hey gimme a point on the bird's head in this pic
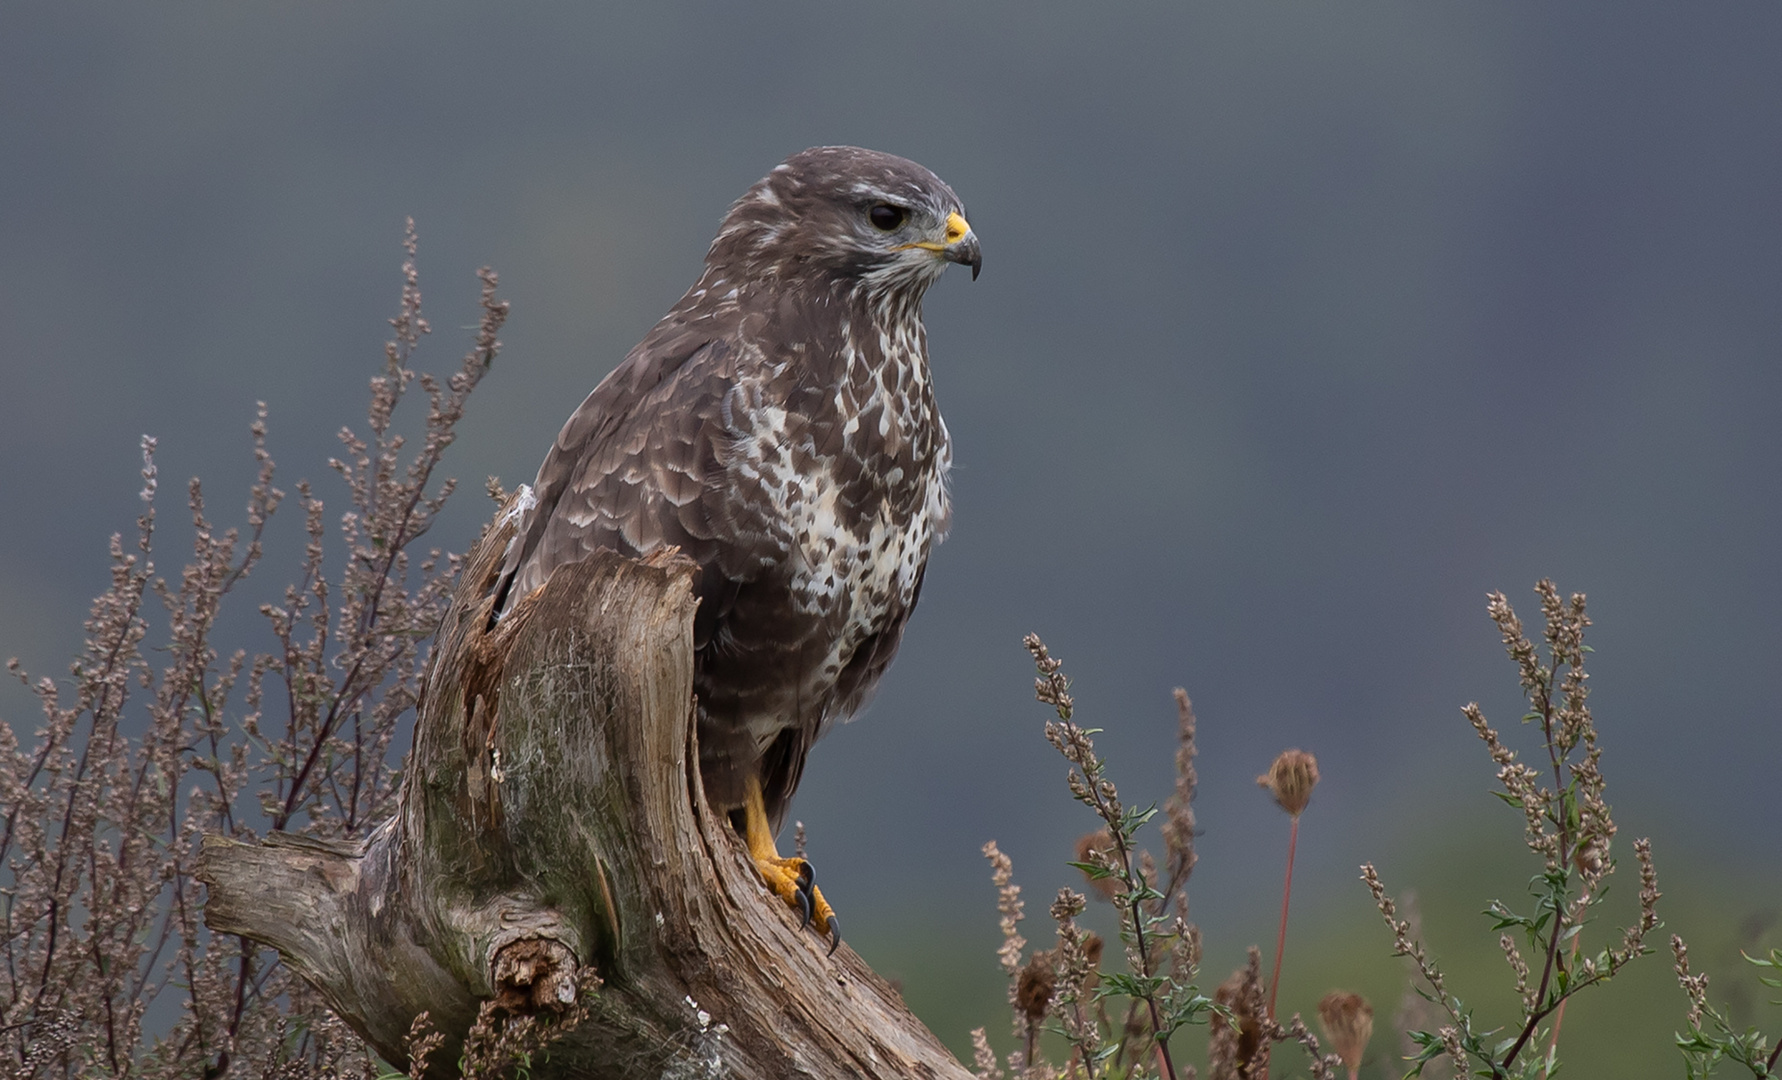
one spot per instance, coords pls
(850, 217)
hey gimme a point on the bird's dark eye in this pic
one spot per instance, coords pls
(887, 217)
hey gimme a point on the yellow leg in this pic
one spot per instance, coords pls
(790, 879)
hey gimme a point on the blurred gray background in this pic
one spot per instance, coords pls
(1301, 326)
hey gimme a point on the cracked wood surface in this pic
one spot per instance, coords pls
(551, 816)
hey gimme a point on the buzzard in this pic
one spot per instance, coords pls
(779, 427)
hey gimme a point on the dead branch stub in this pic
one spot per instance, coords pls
(551, 834)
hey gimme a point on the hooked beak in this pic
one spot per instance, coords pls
(961, 245)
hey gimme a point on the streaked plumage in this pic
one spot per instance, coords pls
(779, 427)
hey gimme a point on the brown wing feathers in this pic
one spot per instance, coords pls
(777, 427)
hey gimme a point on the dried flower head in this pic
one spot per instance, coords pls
(421, 1042)
(1237, 1048)
(983, 1058)
(1291, 780)
(1348, 1022)
(1078, 952)
(1591, 857)
(1009, 905)
(1178, 811)
(1696, 986)
(1035, 984)
(1051, 686)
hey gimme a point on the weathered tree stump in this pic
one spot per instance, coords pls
(551, 817)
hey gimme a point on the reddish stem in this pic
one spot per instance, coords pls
(1558, 1017)
(1274, 984)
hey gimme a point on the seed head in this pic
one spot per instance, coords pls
(1591, 857)
(1348, 1022)
(1291, 780)
(1237, 1047)
(1034, 986)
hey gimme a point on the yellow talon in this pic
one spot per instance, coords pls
(789, 879)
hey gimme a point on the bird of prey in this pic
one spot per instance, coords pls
(779, 427)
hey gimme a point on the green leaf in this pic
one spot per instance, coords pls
(1138, 818)
(1126, 984)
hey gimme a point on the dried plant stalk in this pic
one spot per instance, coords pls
(161, 734)
(1567, 823)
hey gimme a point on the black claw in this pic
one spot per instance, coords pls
(805, 907)
(834, 934)
(807, 875)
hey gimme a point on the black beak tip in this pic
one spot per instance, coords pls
(966, 252)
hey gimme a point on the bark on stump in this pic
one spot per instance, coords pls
(551, 817)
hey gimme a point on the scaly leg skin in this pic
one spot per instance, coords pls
(792, 880)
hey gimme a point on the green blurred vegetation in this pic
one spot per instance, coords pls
(1623, 1030)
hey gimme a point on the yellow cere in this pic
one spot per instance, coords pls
(957, 227)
